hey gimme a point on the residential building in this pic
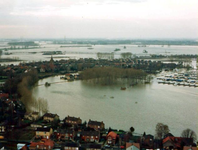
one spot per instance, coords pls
(171, 142)
(44, 132)
(46, 144)
(90, 136)
(111, 138)
(96, 125)
(49, 117)
(73, 120)
(63, 134)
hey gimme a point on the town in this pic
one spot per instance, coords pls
(22, 128)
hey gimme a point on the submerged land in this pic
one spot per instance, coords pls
(27, 120)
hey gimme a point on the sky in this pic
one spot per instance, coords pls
(130, 19)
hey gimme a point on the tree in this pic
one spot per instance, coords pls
(161, 130)
(0, 53)
(126, 55)
(132, 129)
(40, 105)
(188, 133)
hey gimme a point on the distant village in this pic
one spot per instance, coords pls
(21, 129)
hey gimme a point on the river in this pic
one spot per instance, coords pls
(141, 106)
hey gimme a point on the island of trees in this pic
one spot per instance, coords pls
(112, 75)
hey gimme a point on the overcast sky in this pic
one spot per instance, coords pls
(142, 19)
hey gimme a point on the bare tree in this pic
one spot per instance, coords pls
(44, 106)
(161, 130)
(188, 133)
(126, 55)
(0, 53)
(41, 105)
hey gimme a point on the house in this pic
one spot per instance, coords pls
(132, 146)
(90, 136)
(49, 117)
(63, 134)
(111, 138)
(171, 142)
(96, 125)
(46, 144)
(147, 141)
(69, 76)
(31, 116)
(44, 132)
(35, 115)
(73, 120)
(70, 146)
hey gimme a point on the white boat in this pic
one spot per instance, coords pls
(186, 84)
(161, 81)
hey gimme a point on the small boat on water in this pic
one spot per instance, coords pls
(123, 88)
(47, 84)
(117, 49)
(145, 51)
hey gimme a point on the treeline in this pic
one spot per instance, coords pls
(13, 80)
(112, 75)
(21, 85)
(123, 41)
(30, 43)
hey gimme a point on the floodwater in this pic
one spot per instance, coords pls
(27, 55)
(141, 106)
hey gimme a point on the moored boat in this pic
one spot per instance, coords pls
(47, 84)
(123, 88)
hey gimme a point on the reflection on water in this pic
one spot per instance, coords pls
(141, 106)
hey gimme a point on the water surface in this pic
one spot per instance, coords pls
(141, 106)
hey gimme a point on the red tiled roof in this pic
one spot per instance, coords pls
(176, 141)
(128, 144)
(112, 134)
(45, 142)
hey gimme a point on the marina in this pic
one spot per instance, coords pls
(188, 78)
